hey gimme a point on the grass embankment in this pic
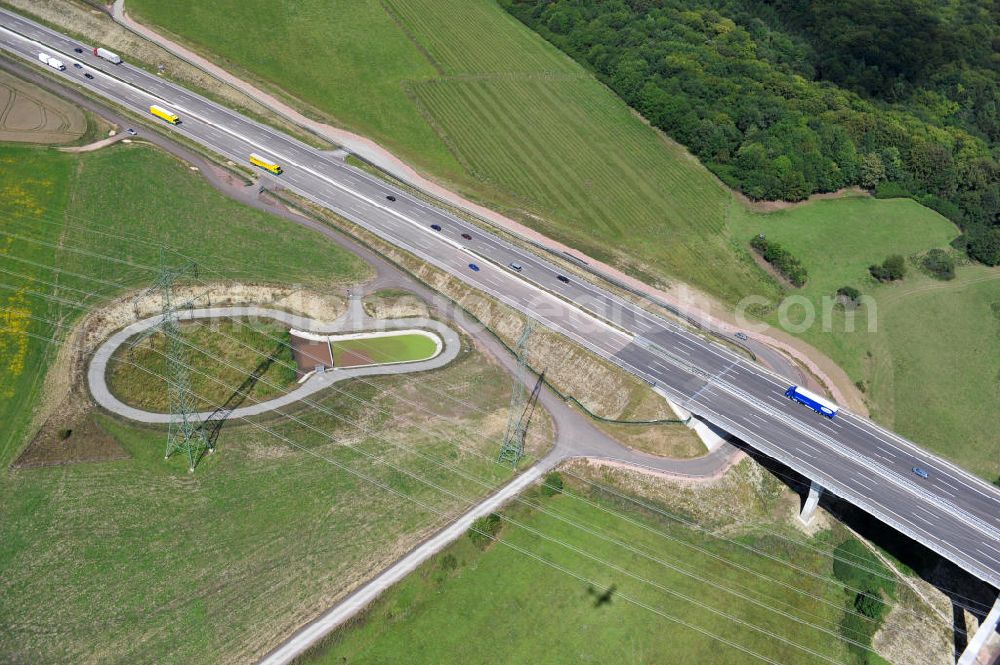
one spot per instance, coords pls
(224, 353)
(928, 368)
(471, 96)
(481, 602)
(135, 560)
(382, 350)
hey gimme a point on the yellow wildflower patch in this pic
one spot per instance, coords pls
(14, 320)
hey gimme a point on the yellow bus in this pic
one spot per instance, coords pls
(163, 113)
(264, 163)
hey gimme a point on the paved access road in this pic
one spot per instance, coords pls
(98, 368)
(952, 512)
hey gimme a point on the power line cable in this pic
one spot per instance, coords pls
(646, 526)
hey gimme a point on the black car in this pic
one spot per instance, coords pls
(563, 278)
(467, 236)
(88, 75)
(390, 197)
(436, 227)
(78, 49)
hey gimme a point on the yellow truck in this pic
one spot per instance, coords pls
(164, 114)
(264, 163)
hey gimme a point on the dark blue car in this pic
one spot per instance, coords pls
(473, 267)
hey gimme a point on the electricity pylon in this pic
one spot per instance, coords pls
(185, 433)
(521, 402)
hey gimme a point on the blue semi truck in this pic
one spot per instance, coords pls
(813, 401)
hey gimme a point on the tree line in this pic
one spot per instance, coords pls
(785, 98)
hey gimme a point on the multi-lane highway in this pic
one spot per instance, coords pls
(952, 512)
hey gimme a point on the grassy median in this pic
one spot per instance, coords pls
(382, 350)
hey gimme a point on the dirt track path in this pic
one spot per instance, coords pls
(96, 145)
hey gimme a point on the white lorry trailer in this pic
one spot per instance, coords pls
(51, 62)
(113, 58)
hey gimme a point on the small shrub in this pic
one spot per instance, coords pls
(892, 269)
(553, 484)
(781, 259)
(860, 385)
(448, 562)
(940, 264)
(65, 433)
(484, 530)
(849, 295)
(870, 604)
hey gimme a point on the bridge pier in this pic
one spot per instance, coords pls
(809, 508)
(987, 627)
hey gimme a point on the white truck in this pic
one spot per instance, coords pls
(51, 62)
(113, 58)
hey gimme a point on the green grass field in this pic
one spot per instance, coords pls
(135, 560)
(371, 54)
(471, 96)
(467, 605)
(225, 353)
(61, 210)
(138, 561)
(378, 350)
(922, 367)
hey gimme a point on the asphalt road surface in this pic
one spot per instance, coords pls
(951, 512)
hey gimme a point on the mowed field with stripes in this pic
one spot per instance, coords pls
(515, 123)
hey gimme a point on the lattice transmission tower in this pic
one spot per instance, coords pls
(185, 433)
(521, 402)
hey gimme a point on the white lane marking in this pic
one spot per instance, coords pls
(860, 480)
(988, 556)
(944, 491)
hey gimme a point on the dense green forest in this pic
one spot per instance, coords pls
(784, 98)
